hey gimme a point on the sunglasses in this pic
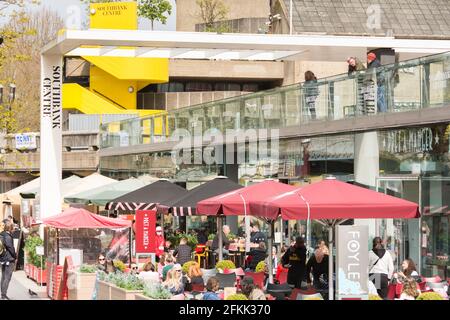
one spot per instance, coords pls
(101, 259)
(135, 268)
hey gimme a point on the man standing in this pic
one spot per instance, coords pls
(183, 252)
(257, 236)
(159, 242)
(295, 260)
(372, 63)
(7, 257)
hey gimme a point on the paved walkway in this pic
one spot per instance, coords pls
(19, 286)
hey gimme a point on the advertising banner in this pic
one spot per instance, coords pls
(145, 228)
(25, 141)
(352, 262)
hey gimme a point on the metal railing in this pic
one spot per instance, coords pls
(405, 86)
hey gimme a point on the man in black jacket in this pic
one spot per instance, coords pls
(8, 257)
(295, 260)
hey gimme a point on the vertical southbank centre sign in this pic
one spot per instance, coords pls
(51, 96)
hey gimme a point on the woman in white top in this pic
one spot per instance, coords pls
(381, 267)
(149, 274)
(408, 271)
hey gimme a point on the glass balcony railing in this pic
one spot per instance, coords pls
(405, 86)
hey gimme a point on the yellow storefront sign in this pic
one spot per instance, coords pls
(114, 15)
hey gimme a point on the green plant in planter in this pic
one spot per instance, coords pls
(231, 236)
(157, 291)
(31, 243)
(211, 236)
(191, 240)
(374, 297)
(119, 265)
(129, 282)
(261, 267)
(88, 268)
(225, 264)
(187, 265)
(113, 278)
(237, 296)
(430, 296)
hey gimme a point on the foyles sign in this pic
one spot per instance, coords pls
(352, 262)
(51, 96)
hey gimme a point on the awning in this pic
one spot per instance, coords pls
(148, 197)
(331, 199)
(102, 195)
(186, 205)
(67, 185)
(74, 218)
(237, 202)
(92, 181)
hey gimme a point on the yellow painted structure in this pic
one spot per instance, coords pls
(115, 81)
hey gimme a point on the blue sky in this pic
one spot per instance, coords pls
(66, 8)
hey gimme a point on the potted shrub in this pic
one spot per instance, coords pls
(430, 296)
(119, 265)
(237, 296)
(187, 265)
(81, 282)
(155, 291)
(225, 264)
(261, 267)
(126, 287)
(32, 258)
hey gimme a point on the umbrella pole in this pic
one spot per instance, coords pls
(330, 263)
(270, 245)
(220, 233)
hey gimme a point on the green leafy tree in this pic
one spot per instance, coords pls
(155, 10)
(212, 14)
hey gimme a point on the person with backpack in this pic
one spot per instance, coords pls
(7, 257)
(381, 267)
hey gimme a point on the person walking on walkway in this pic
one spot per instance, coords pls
(311, 92)
(381, 267)
(7, 257)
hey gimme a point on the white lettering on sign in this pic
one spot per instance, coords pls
(408, 141)
(146, 237)
(353, 247)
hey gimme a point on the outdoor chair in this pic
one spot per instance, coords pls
(208, 273)
(226, 280)
(295, 292)
(198, 287)
(315, 296)
(279, 291)
(258, 278)
(435, 279)
(201, 253)
(283, 276)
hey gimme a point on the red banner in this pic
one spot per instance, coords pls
(145, 231)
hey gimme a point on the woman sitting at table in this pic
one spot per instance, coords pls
(194, 276)
(174, 281)
(410, 290)
(257, 255)
(408, 271)
(250, 290)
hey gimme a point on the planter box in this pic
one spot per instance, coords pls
(27, 268)
(41, 276)
(81, 285)
(142, 297)
(104, 290)
(33, 272)
(122, 294)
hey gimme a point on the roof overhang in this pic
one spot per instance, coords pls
(213, 46)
